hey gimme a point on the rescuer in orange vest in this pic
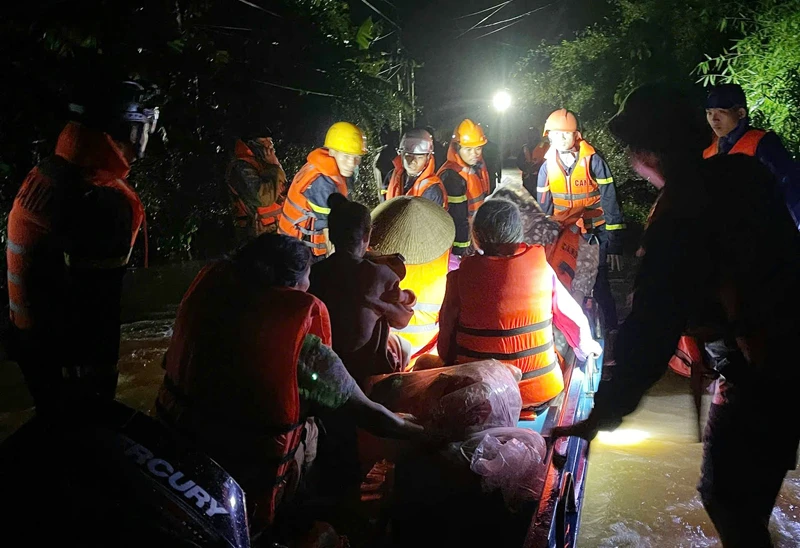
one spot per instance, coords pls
(257, 186)
(250, 361)
(465, 178)
(576, 185)
(530, 159)
(515, 324)
(414, 172)
(726, 112)
(422, 233)
(329, 170)
(71, 231)
(737, 283)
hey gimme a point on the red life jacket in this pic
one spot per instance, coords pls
(477, 180)
(747, 144)
(577, 197)
(267, 215)
(515, 325)
(93, 158)
(563, 254)
(231, 378)
(425, 180)
(297, 217)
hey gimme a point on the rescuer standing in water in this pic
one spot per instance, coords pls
(737, 283)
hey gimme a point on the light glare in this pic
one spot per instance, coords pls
(622, 436)
(501, 101)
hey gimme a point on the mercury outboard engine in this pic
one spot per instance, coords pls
(106, 475)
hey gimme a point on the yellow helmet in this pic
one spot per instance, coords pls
(346, 137)
(470, 134)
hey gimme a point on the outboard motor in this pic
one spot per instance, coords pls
(106, 475)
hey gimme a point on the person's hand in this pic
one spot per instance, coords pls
(586, 429)
(614, 263)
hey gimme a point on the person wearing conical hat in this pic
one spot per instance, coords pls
(423, 233)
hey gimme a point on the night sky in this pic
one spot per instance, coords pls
(461, 74)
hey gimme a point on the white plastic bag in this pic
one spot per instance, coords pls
(509, 459)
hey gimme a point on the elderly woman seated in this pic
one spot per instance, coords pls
(574, 258)
(503, 303)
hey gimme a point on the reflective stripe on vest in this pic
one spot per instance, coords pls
(425, 181)
(428, 282)
(515, 326)
(297, 217)
(576, 196)
(747, 144)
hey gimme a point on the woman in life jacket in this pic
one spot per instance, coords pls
(250, 361)
(503, 304)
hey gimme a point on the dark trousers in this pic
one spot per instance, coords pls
(745, 459)
(602, 287)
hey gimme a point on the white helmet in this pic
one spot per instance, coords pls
(416, 141)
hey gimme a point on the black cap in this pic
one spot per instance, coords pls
(659, 117)
(726, 96)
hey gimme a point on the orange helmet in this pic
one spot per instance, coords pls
(469, 134)
(561, 120)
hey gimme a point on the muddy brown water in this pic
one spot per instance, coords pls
(637, 495)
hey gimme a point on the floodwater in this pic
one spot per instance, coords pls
(639, 495)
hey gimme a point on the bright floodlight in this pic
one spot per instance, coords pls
(501, 101)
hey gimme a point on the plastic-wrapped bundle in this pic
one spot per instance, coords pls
(458, 400)
(508, 459)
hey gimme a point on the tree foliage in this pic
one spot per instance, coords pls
(765, 61)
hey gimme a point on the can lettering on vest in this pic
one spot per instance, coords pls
(580, 182)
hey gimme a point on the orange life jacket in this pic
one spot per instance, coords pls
(477, 180)
(577, 197)
(747, 144)
(535, 155)
(231, 378)
(428, 282)
(297, 217)
(515, 325)
(268, 215)
(563, 254)
(89, 156)
(426, 180)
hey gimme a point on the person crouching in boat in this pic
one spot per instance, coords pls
(503, 304)
(250, 361)
(363, 297)
(423, 233)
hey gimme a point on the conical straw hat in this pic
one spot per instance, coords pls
(417, 228)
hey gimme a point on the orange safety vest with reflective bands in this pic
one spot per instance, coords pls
(424, 181)
(563, 255)
(577, 197)
(515, 325)
(477, 180)
(83, 157)
(747, 144)
(231, 379)
(298, 217)
(428, 282)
